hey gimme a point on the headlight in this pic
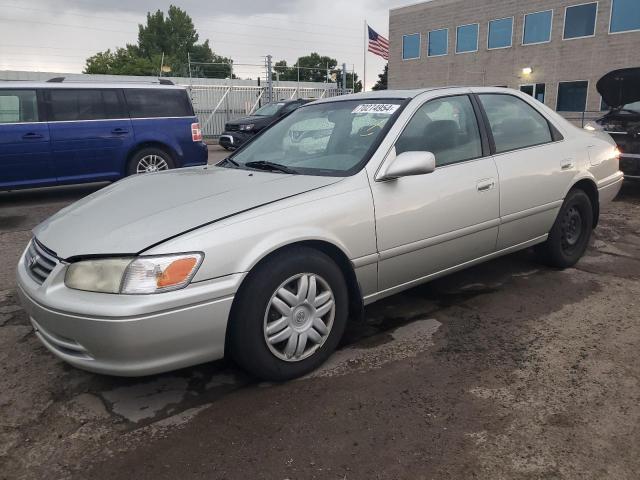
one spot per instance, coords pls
(246, 128)
(592, 126)
(139, 275)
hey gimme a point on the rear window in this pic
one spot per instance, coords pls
(153, 103)
(84, 104)
(18, 106)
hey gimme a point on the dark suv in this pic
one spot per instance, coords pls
(243, 129)
(620, 90)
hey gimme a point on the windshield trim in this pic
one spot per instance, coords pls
(403, 102)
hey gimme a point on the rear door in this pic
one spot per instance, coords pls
(534, 165)
(25, 156)
(91, 133)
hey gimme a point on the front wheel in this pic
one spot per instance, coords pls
(289, 315)
(569, 236)
(150, 160)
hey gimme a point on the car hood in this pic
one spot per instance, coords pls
(620, 87)
(251, 119)
(133, 214)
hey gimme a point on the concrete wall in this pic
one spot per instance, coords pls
(558, 60)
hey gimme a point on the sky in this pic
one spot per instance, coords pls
(57, 36)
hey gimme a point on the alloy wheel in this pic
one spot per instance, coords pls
(151, 163)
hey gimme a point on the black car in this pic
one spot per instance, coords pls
(620, 90)
(243, 129)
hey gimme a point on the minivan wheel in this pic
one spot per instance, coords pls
(569, 236)
(149, 160)
(289, 315)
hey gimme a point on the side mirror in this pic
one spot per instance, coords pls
(407, 164)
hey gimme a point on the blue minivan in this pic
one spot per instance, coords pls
(56, 133)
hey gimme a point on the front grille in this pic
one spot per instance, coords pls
(39, 261)
(231, 128)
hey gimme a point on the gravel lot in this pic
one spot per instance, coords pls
(509, 370)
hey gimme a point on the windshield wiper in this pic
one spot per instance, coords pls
(270, 166)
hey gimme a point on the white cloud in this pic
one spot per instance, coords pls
(41, 35)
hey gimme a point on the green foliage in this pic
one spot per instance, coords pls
(381, 84)
(174, 36)
(313, 68)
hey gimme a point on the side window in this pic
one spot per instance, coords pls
(514, 123)
(83, 104)
(18, 106)
(447, 127)
(158, 102)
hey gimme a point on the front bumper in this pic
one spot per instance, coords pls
(234, 139)
(129, 335)
(630, 165)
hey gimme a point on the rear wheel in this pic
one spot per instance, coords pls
(569, 236)
(150, 160)
(289, 315)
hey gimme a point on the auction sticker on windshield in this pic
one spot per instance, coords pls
(385, 108)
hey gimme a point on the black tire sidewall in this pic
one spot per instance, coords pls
(132, 165)
(555, 254)
(246, 338)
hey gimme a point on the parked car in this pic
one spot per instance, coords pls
(346, 201)
(620, 90)
(238, 132)
(58, 132)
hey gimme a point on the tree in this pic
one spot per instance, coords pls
(172, 36)
(381, 84)
(313, 68)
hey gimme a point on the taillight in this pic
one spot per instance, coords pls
(196, 132)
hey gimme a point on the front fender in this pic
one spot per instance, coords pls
(340, 214)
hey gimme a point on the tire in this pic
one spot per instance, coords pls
(570, 234)
(254, 318)
(150, 156)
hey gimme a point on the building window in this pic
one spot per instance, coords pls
(438, 42)
(572, 96)
(537, 27)
(500, 33)
(411, 46)
(625, 16)
(467, 38)
(536, 90)
(580, 21)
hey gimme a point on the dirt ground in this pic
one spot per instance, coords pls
(508, 370)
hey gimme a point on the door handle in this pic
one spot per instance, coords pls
(32, 136)
(119, 131)
(485, 185)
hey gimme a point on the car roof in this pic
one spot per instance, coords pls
(80, 85)
(381, 94)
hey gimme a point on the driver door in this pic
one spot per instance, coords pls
(427, 224)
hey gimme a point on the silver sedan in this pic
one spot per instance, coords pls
(266, 255)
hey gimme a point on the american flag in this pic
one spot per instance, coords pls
(378, 44)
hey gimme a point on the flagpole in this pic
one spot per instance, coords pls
(364, 75)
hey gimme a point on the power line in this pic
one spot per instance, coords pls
(269, 27)
(123, 31)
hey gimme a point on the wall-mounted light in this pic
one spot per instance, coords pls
(527, 71)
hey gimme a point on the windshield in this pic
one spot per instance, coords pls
(269, 109)
(635, 106)
(324, 139)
